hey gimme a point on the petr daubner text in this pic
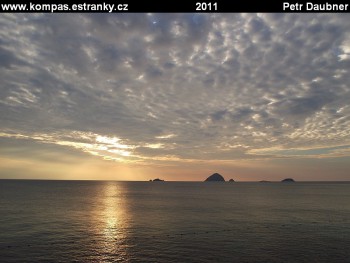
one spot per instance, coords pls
(309, 6)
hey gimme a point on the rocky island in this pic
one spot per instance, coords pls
(215, 178)
(288, 180)
(157, 180)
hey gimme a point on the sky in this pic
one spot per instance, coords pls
(175, 96)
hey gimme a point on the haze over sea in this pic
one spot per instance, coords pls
(107, 221)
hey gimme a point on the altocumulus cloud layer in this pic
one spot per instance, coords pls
(164, 88)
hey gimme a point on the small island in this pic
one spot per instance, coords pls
(157, 180)
(288, 180)
(215, 178)
(231, 180)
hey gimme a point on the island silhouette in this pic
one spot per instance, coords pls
(156, 180)
(288, 180)
(215, 178)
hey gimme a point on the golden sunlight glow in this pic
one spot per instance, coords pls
(155, 145)
(166, 136)
(109, 212)
(113, 141)
(113, 211)
(120, 152)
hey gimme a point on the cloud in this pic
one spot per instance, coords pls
(325, 152)
(176, 86)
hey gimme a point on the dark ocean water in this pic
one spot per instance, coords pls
(91, 221)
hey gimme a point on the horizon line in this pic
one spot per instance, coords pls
(174, 181)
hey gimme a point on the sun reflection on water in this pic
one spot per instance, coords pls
(111, 223)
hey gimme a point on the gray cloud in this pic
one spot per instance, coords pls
(223, 84)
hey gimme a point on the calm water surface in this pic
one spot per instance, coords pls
(91, 221)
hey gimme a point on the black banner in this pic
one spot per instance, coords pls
(121, 6)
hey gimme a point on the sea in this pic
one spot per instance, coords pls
(108, 221)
